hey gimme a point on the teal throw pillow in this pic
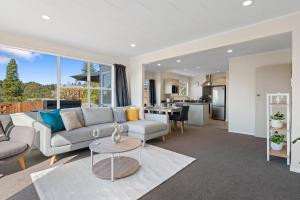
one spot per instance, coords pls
(53, 119)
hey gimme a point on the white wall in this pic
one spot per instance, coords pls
(43, 46)
(270, 79)
(284, 24)
(295, 161)
(242, 71)
(196, 92)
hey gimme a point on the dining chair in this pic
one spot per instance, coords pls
(182, 117)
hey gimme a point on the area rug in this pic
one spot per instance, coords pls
(75, 180)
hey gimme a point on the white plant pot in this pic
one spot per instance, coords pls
(276, 147)
(276, 123)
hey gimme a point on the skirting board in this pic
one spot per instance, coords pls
(241, 132)
(294, 169)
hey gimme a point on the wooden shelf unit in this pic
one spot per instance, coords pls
(282, 153)
(278, 102)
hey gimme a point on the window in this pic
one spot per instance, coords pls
(74, 85)
(28, 78)
(101, 93)
(183, 88)
(73, 72)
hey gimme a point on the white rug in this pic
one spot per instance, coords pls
(75, 180)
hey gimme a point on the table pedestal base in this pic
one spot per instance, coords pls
(122, 167)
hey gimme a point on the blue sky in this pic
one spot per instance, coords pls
(38, 67)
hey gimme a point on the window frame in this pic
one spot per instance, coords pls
(59, 85)
(88, 86)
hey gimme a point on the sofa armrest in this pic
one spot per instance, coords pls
(43, 134)
(157, 117)
(22, 134)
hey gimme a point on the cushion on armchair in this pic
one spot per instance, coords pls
(3, 137)
(7, 124)
(10, 148)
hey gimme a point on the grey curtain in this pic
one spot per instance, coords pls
(122, 98)
(152, 95)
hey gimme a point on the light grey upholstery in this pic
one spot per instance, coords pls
(93, 116)
(20, 141)
(78, 112)
(145, 126)
(7, 123)
(119, 114)
(104, 129)
(10, 148)
(70, 137)
(152, 126)
(5, 120)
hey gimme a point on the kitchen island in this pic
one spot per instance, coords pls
(198, 114)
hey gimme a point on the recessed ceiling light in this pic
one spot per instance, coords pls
(218, 71)
(45, 17)
(178, 61)
(247, 3)
(229, 51)
(158, 64)
(198, 67)
(132, 45)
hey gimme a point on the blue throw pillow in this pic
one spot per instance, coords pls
(53, 119)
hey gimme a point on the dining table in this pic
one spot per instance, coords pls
(162, 110)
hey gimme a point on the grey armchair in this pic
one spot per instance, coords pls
(21, 139)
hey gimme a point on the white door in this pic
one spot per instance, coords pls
(269, 79)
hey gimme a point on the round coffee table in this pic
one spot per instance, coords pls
(118, 166)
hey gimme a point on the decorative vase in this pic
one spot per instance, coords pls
(276, 147)
(276, 123)
(96, 133)
(116, 135)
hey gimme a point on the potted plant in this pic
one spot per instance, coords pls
(296, 140)
(277, 120)
(277, 141)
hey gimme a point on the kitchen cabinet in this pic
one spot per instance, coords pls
(168, 85)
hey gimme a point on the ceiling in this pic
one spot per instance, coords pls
(110, 26)
(217, 60)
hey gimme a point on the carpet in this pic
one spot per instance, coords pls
(75, 180)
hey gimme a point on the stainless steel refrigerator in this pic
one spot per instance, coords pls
(219, 102)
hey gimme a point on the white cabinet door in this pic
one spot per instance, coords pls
(168, 87)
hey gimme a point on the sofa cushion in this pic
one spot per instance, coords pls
(81, 135)
(10, 148)
(105, 130)
(53, 119)
(120, 114)
(145, 126)
(70, 120)
(132, 114)
(78, 112)
(99, 115)
(63, 138)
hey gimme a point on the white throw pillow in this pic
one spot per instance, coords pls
(70, 120)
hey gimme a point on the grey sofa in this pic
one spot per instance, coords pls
(20, 141)
(102, 118)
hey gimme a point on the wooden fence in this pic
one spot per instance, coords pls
(16, 107)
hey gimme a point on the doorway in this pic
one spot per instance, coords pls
(269, 79)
